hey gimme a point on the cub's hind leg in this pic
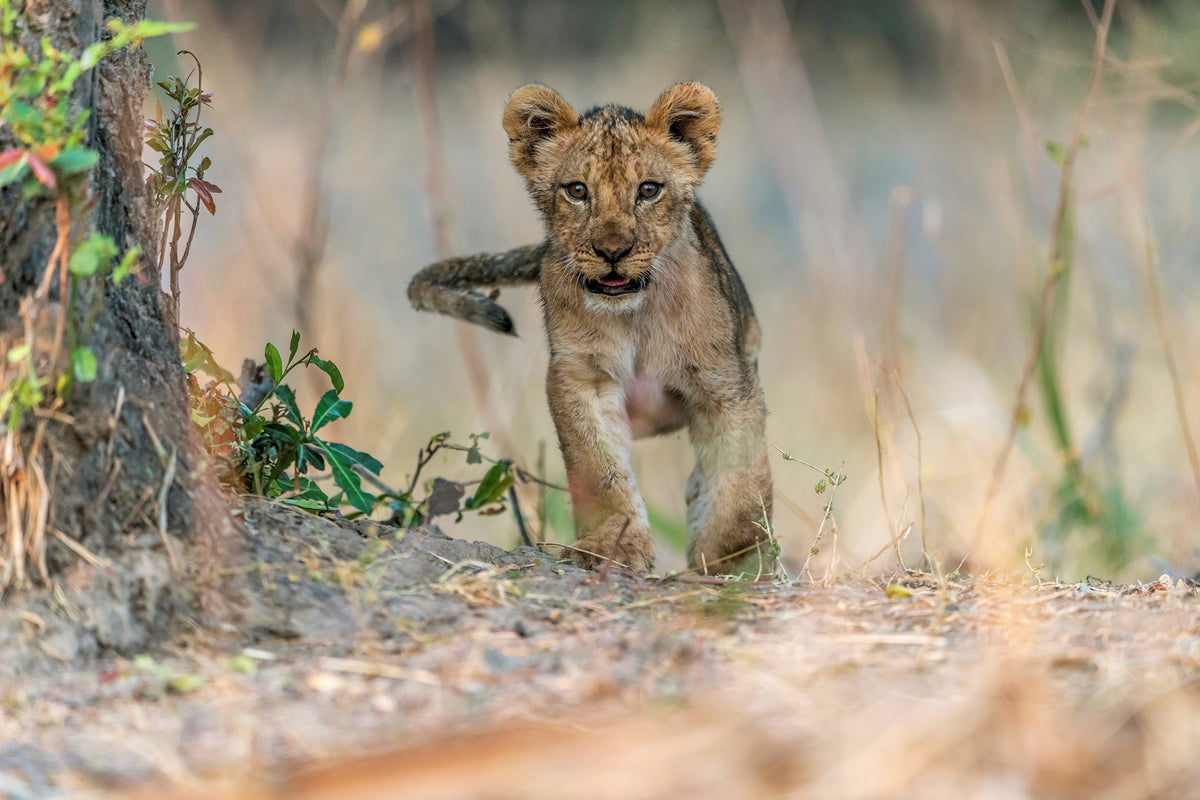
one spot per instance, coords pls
(729, 491)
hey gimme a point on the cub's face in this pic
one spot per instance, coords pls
(614, 187)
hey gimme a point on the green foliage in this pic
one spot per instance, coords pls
(273, 449)
(51, 157)
(24, 390)
(491, 489)
(83, 363)
(35, 102)
(276, 445)
(444, 497)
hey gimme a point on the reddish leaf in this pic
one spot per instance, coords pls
(10, 156)
(43, 173)
(201, 189)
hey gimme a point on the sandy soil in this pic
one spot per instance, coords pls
(376, 663)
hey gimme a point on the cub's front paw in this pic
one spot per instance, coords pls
(624, 541)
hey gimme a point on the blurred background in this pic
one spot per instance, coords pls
(887, 183)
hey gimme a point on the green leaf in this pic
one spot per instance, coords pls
(158, 142)
(92, 255)
(330, 369)
(204, 134)
(285, 437)
(365, 460)
(307, 489)
(75, 161)
(274, 365)
(308, 454)
(18, 353)
(91, 55)
(191, 352)
(288, 398)
(128, 266)
(253, 426)
(493, 486)
(329, 408)
(295, 345)
(14, 169)
(347, 479)
(1057, 153)
(310, 504)
(83, 360)
(148, 28)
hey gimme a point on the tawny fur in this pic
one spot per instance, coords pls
(675, 342)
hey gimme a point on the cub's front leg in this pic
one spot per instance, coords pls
(588, 409)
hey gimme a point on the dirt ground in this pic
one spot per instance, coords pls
(376, 663)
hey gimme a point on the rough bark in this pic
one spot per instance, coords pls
(129, 433)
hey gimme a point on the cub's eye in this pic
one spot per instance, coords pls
(575, 191)
(649, 190)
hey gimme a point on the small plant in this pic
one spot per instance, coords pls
(176, 138)
(269, 448)
(23, 391)
(264, 445)
(445, 497)
(279, 437)
(829, 481)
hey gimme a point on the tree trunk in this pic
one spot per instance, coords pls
(116, 559)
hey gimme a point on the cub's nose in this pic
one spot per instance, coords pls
(612, 253)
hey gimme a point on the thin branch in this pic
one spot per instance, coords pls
(612, 556)
(1029, 135)
(168, 479)
(887, 514)
(516, 506)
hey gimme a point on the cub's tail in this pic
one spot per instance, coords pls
(448, 287)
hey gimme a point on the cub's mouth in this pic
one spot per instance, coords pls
(613, 284)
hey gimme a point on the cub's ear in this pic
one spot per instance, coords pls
(534, 113)
(689, 113)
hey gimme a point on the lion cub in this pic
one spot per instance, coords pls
(650, 327)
